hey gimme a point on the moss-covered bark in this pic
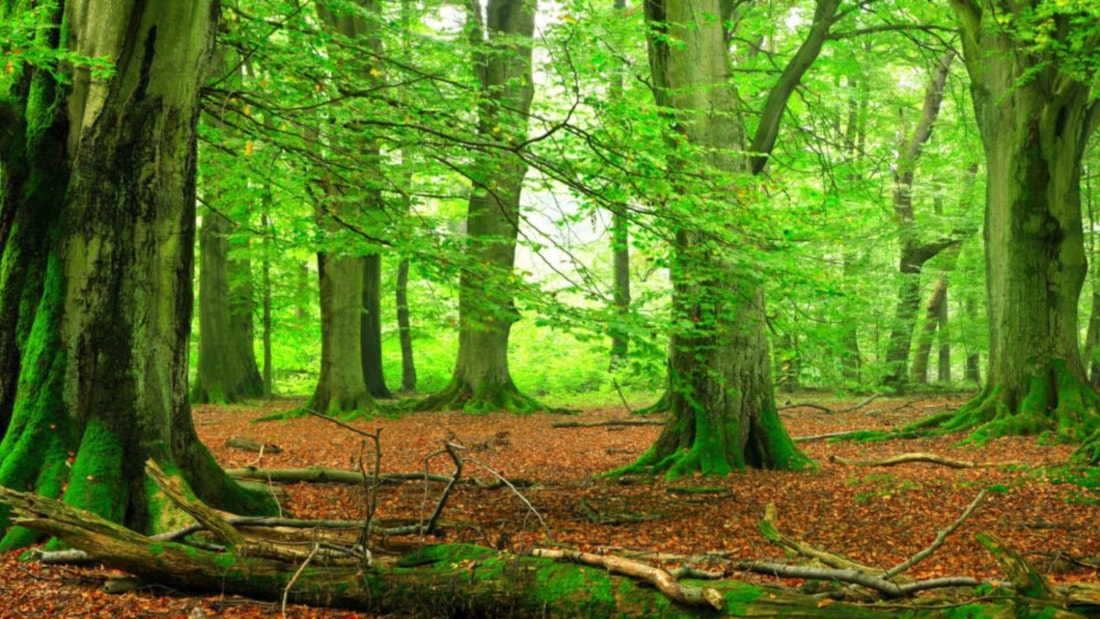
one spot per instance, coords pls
(721, 396)
(341, 389)
(462, 580)
(102, 339)
(1035, 119)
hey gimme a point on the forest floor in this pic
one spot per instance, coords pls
(876, 515)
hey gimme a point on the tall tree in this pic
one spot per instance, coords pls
(1035, 107)
(723, 414)
(502, 38)
(98, 184)
(226, 367)
(913, 252)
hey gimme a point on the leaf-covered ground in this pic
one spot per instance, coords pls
(878, 516)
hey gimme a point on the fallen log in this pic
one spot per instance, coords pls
(245, 444)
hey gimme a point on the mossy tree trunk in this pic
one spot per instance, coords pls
(1035, 119)
(481, 380)
(404, 328)
(103, 362)
(721, 396)
(224, 372)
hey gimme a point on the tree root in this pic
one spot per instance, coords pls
(460, 396)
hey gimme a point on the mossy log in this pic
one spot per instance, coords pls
(450, 580)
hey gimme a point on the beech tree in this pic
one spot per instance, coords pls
(98, 202)
(1032, 87)
(721, 398)
(481, 380)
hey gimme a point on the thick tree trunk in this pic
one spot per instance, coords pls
(723, 414)
(1034, 120)
(103, 372)
(481, 380)
(341, 388)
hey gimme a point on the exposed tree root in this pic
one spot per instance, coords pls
(1055, 404)
(458, 395)
(929, 458)
(662, 405)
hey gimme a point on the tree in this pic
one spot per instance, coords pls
(481, 379)
(227, 369)
(913, 254)
(723, 414)
(98, 184)
(1035, 109)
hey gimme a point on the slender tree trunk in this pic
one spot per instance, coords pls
(242, 325)
(913, 253)
(103, 370)
(1034, 120)
(620, 248)
(370, 336)
(404, 328)
(944, 361)
(935, 318)
(486, 307)
(918, 372)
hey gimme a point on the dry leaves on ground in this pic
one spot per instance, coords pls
(875, 515)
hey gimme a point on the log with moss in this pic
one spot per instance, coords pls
(454, 580)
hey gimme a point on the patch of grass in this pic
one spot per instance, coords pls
(1083, 482)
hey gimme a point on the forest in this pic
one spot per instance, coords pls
(559, 308)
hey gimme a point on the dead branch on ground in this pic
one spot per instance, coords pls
(930, 458)
(608, 423)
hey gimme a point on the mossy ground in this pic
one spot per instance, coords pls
(1056, 406)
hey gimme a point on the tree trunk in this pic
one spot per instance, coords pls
(370, 337)
(103, 369)
(620, 251)
(918, 373)
(404, 328)
(242, 325)
(481, 380)
(913, 254)
(341, 388)
(1034, 120)
(1092, 342)
(721, 397)
(935, 318)
(227, 369)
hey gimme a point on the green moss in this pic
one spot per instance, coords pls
(97, 482)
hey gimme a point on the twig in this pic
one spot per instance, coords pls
(861, 404)
(824, 409)
(610, 422)
(820, 437)
(336, 421)
(452, 450)
(515, 491)
(294, 579)
(665, 583)
(941, 537)
(622, 398)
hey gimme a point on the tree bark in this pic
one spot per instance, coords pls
(370, 336)
(486, 306)
(404, 328)
(242, 324)
(103, 368)
(1035, 119)
(227, 369)
(341, 388)
(721, 397)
